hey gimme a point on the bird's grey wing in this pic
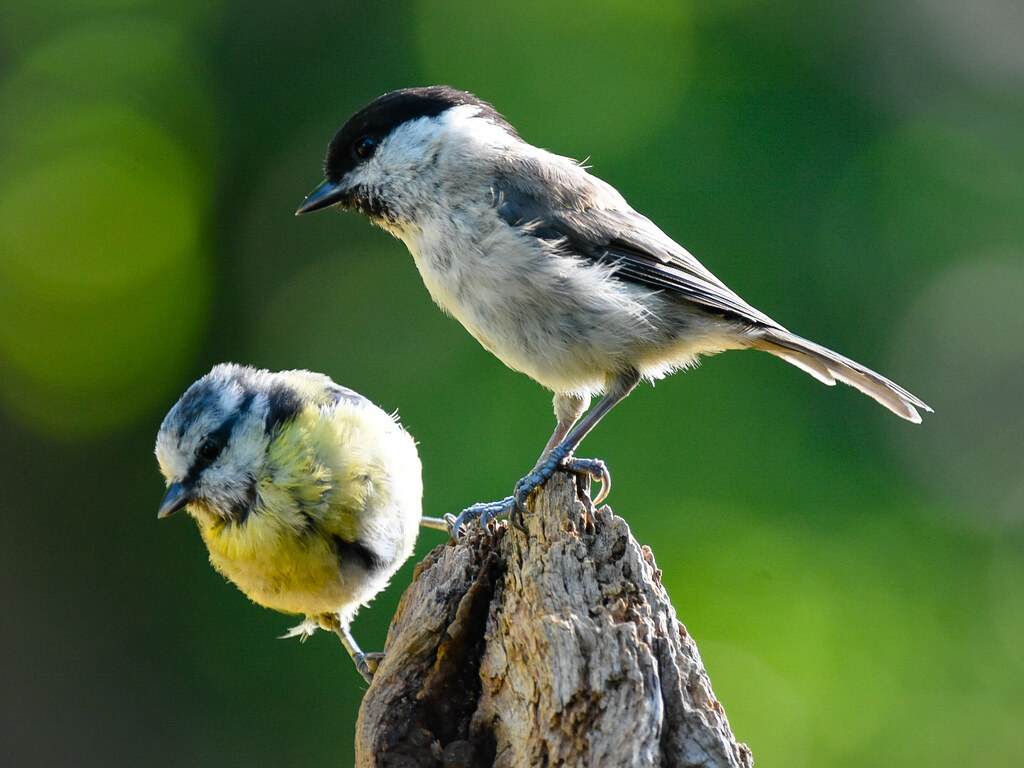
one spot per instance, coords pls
(562, 203)
(596, 223)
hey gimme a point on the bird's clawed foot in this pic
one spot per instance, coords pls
(562, 458)
(596, 469)
(516, 505)
(367, 663)
(485, 512)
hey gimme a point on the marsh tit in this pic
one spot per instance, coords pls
(307, 495)
(549, 267)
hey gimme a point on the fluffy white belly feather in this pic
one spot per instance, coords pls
(558, 318)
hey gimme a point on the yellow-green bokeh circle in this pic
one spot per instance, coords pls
(103, 279)
(144, 65)
(578, 78)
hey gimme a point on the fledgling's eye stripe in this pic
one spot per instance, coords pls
(222, 434)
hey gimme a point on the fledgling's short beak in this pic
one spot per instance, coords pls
(175, 499)
(324, 196)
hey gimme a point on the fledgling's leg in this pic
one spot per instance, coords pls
(366, 663)
(437, 523)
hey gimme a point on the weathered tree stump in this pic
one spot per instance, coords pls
(556, 648)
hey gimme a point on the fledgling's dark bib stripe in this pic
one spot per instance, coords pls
(246, 503)
(354, 552)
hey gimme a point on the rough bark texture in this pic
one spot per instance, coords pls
(556, 648)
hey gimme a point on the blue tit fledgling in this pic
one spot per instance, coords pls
(548, 266)
(307, 495)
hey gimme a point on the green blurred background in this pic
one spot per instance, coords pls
(855, 169)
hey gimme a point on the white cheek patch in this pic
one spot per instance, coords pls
(406, 173)
(173, 463)
(465, 128)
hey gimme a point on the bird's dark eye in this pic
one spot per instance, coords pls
(209, 451)
(365, 146)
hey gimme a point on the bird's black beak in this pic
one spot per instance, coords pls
(175, 499)
(324, 196)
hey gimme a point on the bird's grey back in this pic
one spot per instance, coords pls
(593, 220)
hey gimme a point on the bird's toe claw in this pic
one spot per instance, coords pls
(372, 661)
(367, 664)
(524, 490)
(596, 469)
(516, 517)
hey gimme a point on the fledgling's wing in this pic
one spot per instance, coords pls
(595, 222)
(338, 392)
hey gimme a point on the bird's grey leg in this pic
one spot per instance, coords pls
(568, 409)
(561, 456)
(565, 440)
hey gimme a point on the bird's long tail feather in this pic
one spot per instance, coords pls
(828, 367)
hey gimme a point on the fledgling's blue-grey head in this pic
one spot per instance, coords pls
(212, 445)
(378, 163)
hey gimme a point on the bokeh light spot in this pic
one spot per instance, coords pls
(609, 95)
(964, 337)
(929, 192)
(103, 284)
(144, 65)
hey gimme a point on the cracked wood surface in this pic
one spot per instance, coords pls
(560, 648)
